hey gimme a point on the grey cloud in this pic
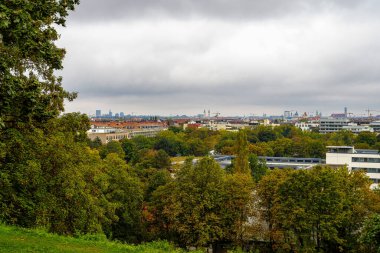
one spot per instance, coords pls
(322, 61)
(102, 10)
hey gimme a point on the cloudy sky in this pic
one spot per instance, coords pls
(236, 57)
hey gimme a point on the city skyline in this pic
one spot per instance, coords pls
(155, 57)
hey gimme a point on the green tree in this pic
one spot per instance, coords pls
(241, 164)
(143, 142)
(30, 93)
(257, 166)
(52, 181)
(126, 193)
(282, 147)
(96, 143)
(343, 137)
(112, 147)
(130, 149)
(370, 235)
(170, 143)
(203, 205)
(196, 147)
(266, 134)
(315, 210)
(366, 137)
(162, 160)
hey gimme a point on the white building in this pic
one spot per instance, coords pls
(306, 126)
(356, 159)
(330, 125)
(355, 128)
(375, 125)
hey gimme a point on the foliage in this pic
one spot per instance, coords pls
(314, 210)
(52, 181)
(14, 239)
(169, 142)
(366, 137)
(30, 93)
(112, 147)
(126, 193)
(241, 164)
(370, 237)
(203, 205)
(257, 167)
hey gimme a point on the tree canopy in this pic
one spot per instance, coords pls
(30, 91)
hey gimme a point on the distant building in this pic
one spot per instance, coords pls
(291, 162)
(118, 135)
(122, 115)
(356, 159)
(114, 131)
(357, 129)
(375, 125)
(98, 113)
(306, 126)
(277, 162)
(287, 114)
(331, 125)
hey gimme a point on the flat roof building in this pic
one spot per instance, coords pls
(331, 125)
(356, 129)
(375, 125)
(356, 159)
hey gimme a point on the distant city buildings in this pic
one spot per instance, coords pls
(109, 115)
(306, 121)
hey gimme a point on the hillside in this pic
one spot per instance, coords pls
(13, 239)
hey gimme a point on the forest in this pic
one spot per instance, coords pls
(53, 177)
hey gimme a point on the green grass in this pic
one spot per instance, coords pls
(14, 239)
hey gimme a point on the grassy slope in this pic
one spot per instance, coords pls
(13, 239)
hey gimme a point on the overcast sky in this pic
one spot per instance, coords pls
(236, 57)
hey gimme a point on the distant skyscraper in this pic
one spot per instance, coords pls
(110, 114)
(122, 115)
(116, 115)
(98, 113)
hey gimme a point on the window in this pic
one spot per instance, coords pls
(365, 160)
(368, 170)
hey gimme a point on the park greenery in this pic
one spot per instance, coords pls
(53, 177)
(15, 240)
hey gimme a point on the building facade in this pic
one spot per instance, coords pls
(356, 129)
(375, 125)
(115, 131)
(331, 125)
(356, 159)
